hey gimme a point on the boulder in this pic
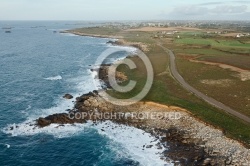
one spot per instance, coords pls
(86, 103)
(42, 122)
(68, 96)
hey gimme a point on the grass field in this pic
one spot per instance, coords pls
(213, 42)
(217, 83)
(221, 84)
(167, 91)
(213, 55)
(240, 61)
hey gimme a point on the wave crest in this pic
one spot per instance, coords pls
(54, 78)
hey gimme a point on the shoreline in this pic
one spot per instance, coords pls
(91, 35)
(184, 139)
(179, 137)
(119, 40)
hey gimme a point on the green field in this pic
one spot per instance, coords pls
(167, 91)
(239, 61)
(230, 52)
(213, 43)
(213, 55)
(229, 92)
(199, 51)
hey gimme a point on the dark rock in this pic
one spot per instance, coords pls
(149, 146)
(110, 42)
(58, 119)
(68, 96)
(228, 160)
(84, 97)
(42, 122)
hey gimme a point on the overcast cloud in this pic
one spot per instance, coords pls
(124, 10)
(201, 10)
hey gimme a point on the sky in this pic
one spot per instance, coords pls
(124, 10)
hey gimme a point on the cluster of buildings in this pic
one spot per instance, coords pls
(242, 35)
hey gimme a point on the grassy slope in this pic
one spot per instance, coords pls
(167, 91)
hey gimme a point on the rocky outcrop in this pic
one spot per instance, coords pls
(58, 119)
(122, 42)
(103, 75)
(91, 101)
(68, 96)
(186, 140)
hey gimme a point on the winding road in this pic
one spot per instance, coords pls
(209, 100)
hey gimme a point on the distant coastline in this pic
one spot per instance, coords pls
(91, 35)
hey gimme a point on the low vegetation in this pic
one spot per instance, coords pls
(202, 47)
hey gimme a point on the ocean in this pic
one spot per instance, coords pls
(38, 65)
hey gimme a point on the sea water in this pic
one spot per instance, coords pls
(38, 65)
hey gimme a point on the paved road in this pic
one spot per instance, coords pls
(209, 100)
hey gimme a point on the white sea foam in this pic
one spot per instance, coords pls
(69, 34)
(126, 141)
(5, 145)
(134, 142)
(28, 128)
(128, 49)
(94, 74)
(54, 78)
(83, 84)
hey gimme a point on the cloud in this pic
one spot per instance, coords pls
(242, 2)
(197, 10)
(223, 3)
(189, 10)
(210, 11)
(229, 9)
(211, 3)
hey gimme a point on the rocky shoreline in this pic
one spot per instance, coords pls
(91, 35)
(184, 139)
(119, 42)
